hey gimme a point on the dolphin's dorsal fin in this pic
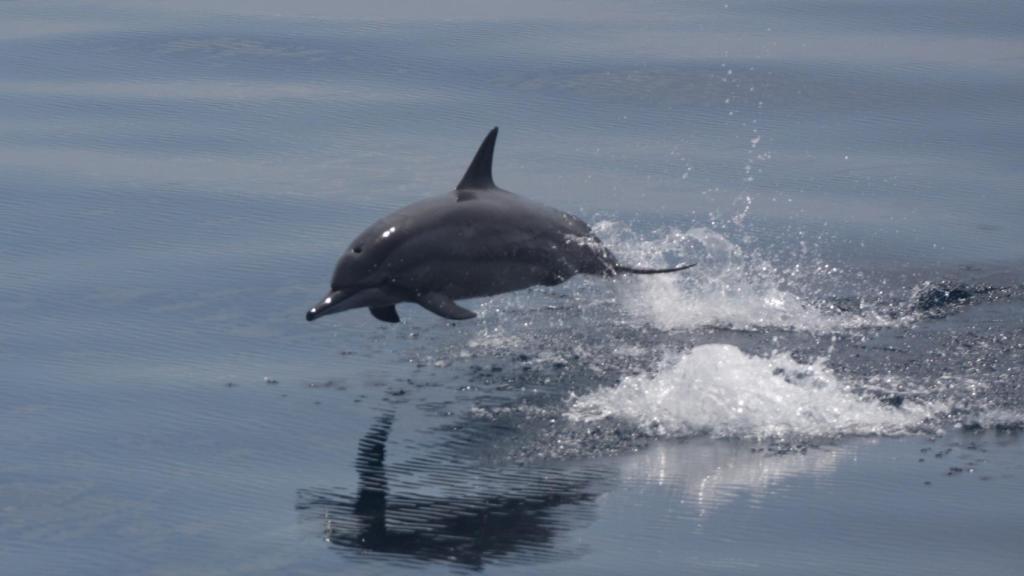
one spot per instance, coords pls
(478, 175)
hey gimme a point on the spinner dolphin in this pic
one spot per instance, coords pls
(477, 240)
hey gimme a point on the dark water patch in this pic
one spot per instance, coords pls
(940, 299)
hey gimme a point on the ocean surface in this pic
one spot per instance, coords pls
(835, 388)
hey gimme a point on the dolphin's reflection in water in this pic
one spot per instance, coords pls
(522, 520)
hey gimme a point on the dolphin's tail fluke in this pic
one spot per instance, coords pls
(620, 269)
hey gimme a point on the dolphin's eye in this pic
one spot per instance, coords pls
(357, 249)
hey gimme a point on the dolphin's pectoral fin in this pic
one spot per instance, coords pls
(444, 306)
(385, 313)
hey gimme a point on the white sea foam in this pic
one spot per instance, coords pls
(718, 390)
(728, 288)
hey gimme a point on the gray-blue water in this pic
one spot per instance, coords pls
(835, 388)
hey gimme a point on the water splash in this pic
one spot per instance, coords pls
(718, 390)
(698, 353)
(730, 288)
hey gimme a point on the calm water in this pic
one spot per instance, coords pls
(836, 388)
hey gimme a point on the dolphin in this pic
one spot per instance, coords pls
(478, 240)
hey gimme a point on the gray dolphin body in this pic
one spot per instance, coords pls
(478, 240)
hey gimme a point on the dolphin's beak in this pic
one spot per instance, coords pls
(330, 304)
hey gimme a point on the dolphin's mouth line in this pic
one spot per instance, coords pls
(343, 299)
(330, 303)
